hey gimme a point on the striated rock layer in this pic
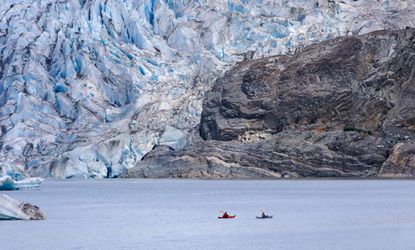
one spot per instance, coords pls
(89, 87)
(340, 108)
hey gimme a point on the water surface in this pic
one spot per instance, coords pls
(182, 214)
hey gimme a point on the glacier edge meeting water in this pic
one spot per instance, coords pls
(87, 88)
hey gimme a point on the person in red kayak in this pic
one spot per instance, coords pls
(225, 215)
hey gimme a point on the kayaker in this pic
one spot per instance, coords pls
(225, 215)
(263, 215)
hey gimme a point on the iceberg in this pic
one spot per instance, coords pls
(7, 183)
(14, 178)
(11, 209)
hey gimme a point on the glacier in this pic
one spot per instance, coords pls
(89, 87)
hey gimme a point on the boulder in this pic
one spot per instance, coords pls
(401, 162)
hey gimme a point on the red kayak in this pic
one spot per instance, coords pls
(228, 217)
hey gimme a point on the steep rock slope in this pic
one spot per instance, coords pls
(341, 108)
(89, 87)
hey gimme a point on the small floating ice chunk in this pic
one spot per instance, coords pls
(11, 209)
(8, 183)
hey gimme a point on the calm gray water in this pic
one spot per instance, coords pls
(182, 214)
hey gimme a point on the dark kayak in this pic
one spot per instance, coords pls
(265, 217)
(229, 217)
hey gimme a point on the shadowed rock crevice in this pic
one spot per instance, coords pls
(341, 108)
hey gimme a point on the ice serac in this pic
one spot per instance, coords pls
(89, 88)
(340, 108)
(11, 209)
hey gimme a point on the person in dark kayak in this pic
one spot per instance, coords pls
(225, 215)
(263, 215)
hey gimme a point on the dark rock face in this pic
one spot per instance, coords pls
(342, 108)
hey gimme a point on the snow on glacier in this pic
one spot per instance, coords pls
(88, 87)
